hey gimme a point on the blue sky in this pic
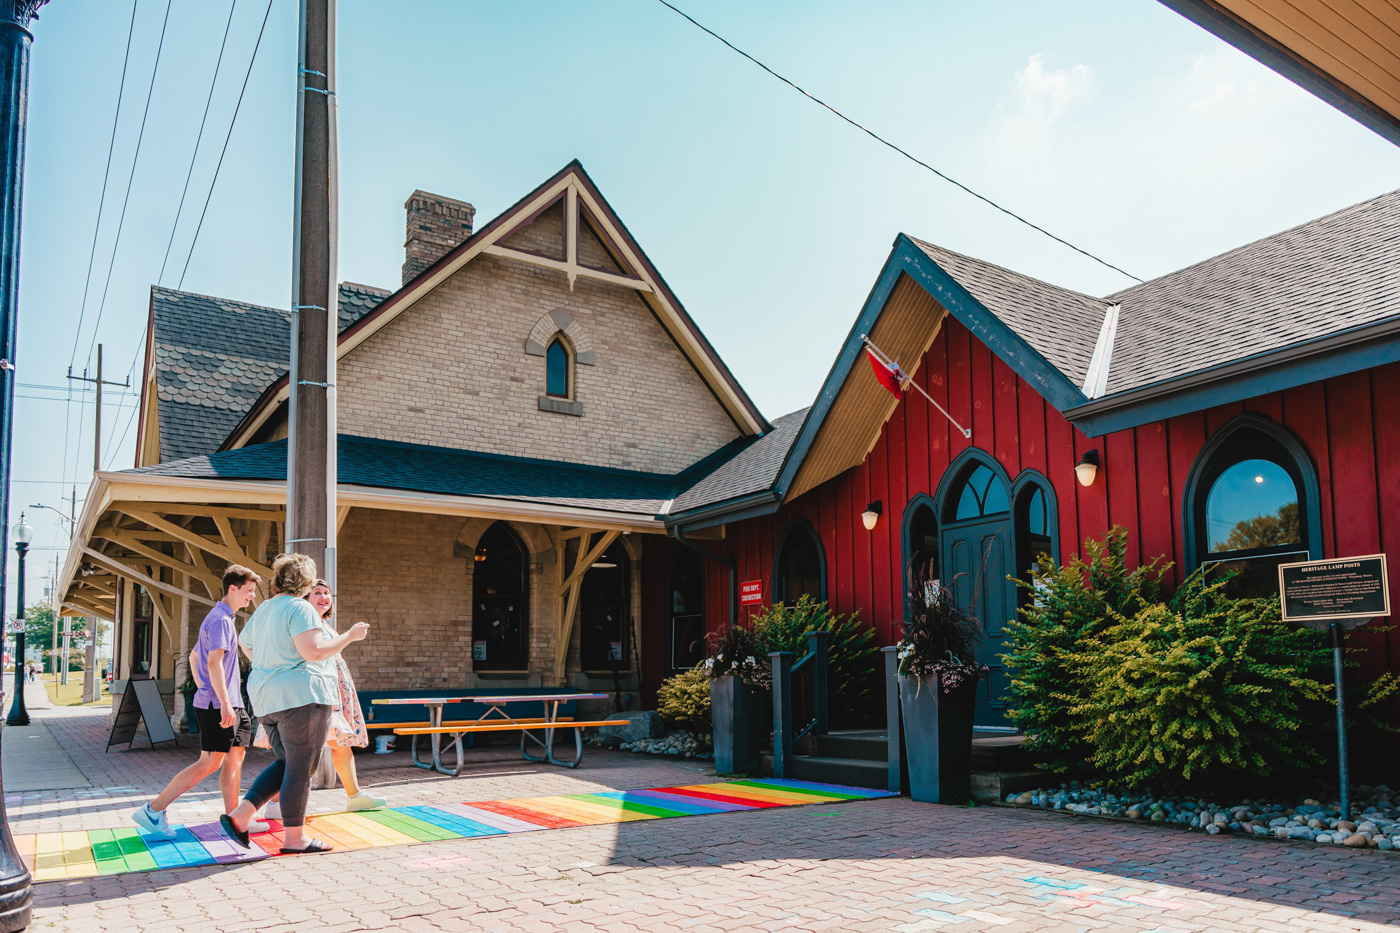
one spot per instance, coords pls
(1118, 125)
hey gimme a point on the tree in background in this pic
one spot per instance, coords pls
(38, 635)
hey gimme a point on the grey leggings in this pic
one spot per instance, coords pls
(297, 736)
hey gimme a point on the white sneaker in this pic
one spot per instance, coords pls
(273, 811)
(153, 822)
(257, 826)
(363, 801)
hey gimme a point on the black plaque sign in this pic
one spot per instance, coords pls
(1346, 590)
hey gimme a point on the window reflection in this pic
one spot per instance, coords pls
(1252, 505)
(982, 494)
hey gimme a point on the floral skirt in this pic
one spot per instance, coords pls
(347, 719)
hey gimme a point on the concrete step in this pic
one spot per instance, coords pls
(852, 772)
(864, 745)
(994, 786)
(993, 752)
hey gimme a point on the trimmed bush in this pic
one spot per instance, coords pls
(1205, 690)
(683, 700)
(1068, 606)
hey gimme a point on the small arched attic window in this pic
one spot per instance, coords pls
(565, 344)
(557, 369)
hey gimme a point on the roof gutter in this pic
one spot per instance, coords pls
(763, 502)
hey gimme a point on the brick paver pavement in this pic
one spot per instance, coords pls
(869, 865)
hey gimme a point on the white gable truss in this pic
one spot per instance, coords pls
(582, 203)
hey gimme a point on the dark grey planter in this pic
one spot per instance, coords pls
(191, 724)
(736, 709)
(938, 739)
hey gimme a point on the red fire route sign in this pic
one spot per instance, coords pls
(751, 593)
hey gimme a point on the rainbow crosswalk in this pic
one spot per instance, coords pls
(60, 856)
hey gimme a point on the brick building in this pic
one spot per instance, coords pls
(513, 420)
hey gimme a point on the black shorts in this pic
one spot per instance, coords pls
(215, 738)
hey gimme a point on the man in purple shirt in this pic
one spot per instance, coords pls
(225, 728)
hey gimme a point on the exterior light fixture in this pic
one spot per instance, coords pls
(480, 555)
(1087, 468)
(871, 515)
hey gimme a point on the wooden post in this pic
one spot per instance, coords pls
(781, 662)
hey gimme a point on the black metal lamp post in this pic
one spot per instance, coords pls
(16, 884)
(23, 534)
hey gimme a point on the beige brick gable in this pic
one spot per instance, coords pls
(453, 371)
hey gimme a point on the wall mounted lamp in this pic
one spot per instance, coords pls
(871, 515)
(1087, 468)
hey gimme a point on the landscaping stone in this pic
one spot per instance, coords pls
(679, 744)
(644, 724)
(1376, 823)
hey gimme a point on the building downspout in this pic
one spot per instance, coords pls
(727, 562)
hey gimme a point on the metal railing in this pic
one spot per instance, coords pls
(811, 668)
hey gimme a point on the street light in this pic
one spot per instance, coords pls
(23, 534)
(40, 505)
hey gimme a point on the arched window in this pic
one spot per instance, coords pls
(800, 568)
(982, 495)
(921, 547)
(687, 610)
(1035, 529)
(557, 367)
(1252, 505)
(500, 602)
(605, 611)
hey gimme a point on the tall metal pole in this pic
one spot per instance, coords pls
(311, 472)
(16, 892)
(1343, 770)
(311, 422)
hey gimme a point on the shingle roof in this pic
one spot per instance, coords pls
(1328, 275)
(214, 358)
(416, 468)
(1060, 324)
(752, 468)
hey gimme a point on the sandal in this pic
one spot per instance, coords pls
(232, 831)
(315, 845)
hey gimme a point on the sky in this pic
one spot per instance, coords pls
(1116, 124)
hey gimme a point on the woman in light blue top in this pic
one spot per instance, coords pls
(293, 688)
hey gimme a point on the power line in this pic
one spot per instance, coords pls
(135, 159)
(885, 142)
(92, 254)
(200, 226)
(197, 139)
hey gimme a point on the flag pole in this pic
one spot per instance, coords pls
(905, 381)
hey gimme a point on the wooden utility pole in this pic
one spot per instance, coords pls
(311, 467)
(97, 384)
(311, 448)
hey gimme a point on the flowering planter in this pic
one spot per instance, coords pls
(938, 738)
(736, 710)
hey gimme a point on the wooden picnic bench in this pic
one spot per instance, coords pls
(495, 719)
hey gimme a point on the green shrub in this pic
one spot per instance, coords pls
(683, 700)
(851, 659)
(1068, 606)
(1206, 690)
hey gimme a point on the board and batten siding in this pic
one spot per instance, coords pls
(1341, 422)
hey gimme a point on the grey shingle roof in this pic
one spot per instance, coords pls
(1323, 277)
(1328, 275)
(1060, 324)
(752, 468)
(416, 468)
(214, 358)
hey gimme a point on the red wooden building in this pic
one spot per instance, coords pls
(1240, 410)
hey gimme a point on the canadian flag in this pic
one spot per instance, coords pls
(888, 375)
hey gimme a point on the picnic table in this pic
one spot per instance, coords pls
(495, 718)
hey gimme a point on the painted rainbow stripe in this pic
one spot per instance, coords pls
(60, 856)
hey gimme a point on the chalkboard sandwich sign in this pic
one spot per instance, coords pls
(1347, 590)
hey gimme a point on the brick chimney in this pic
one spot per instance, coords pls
(433, 226)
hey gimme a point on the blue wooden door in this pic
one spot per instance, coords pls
(977, 556)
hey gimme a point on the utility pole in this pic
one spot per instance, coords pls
(311, 421)
(16, 883)
(98, 383)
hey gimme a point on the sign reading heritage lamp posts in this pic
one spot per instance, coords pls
(1335, 595)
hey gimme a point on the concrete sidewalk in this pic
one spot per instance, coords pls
(31, 757)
